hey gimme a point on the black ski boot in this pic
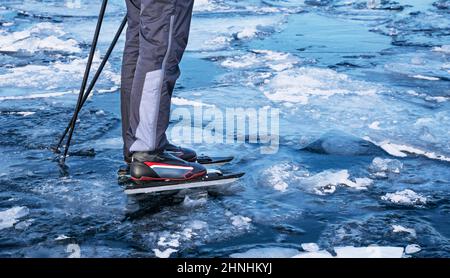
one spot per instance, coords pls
(147, 167)
(183, 153)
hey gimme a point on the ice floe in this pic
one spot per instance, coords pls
(405, 197)
(11, 216)
(23, 225)
(41, 36)
(403, 151)
(34, 96)
(300, 84)
(206, 5)
(277, 61)
(230, 29)
(55, 75)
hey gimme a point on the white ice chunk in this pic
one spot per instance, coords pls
(62, 237)
(369, 252)
(267, 252)
(11, 216)
(327, 181)
(375, 125)
(315, 254)
(280, 175)
(381, 167)
(193, 203)
(412, 249)
(165, 253)
(185, 102)
(405, 197)
(401, 229)
(240, 221)
(444, 49)
(424, 77)
(173, 241)
(310, 247)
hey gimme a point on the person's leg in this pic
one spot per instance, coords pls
(163, 38)
(130, 57)
(180, 36)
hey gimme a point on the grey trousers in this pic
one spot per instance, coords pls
(156, 37)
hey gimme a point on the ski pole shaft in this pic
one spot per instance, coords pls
(86, 73)
(104, 61)
(95, 78)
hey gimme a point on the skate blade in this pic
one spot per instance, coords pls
(180, 186)
(214, 161)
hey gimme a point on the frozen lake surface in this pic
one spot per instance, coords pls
(363, 167)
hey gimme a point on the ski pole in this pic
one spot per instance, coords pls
(87, 71)
(94, 79)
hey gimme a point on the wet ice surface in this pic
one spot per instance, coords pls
(363, 165)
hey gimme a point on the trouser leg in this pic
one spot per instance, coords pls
(164, 31)
(130, 57)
